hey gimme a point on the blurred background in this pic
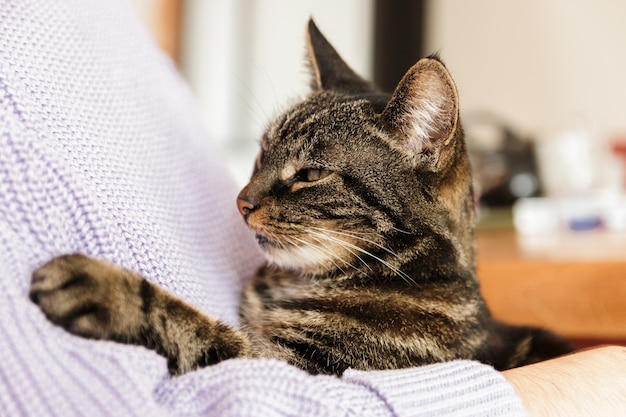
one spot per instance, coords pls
(542, 85)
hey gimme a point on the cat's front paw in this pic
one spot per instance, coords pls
(88, 297)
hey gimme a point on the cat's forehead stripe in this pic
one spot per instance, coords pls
(293, 122)
(293, 133)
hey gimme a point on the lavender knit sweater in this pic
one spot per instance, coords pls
(101, 152)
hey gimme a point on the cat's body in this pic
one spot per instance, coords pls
(363, 204)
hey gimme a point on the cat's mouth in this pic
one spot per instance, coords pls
(264, 241)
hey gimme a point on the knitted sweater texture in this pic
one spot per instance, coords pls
(102, 152)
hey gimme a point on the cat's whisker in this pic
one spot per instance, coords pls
(351, 231)
(338, 256)
(359, 249)
(344, 244)
(406, 232)
(353, 235)
(325, 251)
(382, 261)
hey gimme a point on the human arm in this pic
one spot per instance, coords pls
(587, 383)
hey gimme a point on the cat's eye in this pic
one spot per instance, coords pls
(314, 174)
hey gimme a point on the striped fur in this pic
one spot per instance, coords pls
(363, 204)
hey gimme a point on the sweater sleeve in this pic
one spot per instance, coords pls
(270, 388)
(101, 152)
(459, 388)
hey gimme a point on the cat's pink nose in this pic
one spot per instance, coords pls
(244, 206)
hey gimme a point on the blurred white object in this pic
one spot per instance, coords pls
(582, 183)
(536, 216)
(615, 212)
(576, 228)
(575, 163)
(566, 163)
(599, 210)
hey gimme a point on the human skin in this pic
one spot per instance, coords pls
(587, 383)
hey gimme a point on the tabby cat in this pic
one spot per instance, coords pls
(363, 204)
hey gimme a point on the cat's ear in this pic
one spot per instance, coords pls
(423, 113)
(328, 69)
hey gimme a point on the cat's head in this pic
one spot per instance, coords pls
(352, 178)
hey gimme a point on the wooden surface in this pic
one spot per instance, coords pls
(579, 296)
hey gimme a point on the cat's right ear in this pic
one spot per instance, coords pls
(423, 113)
(328, 70)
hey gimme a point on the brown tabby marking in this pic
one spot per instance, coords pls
(96, 299)
(363, 204)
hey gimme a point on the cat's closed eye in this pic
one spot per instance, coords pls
(313, 174)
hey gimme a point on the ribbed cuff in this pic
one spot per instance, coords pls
(459, 388)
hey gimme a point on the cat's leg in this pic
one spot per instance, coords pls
(96, 299)
(511, 346)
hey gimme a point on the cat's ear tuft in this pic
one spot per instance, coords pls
(328, 70)
(423, 112)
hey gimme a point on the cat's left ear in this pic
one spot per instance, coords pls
(328, 70)
(423, 113)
